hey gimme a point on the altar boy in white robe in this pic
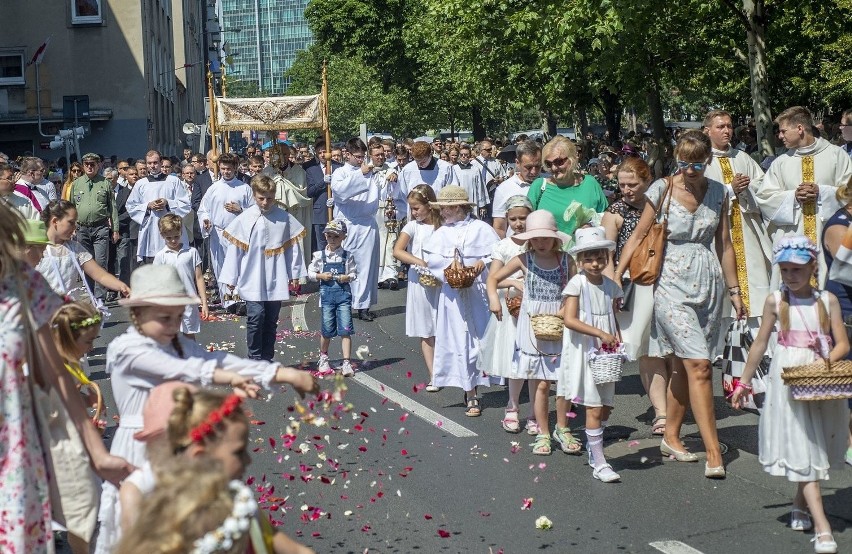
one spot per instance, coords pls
(264, 252)
(153, 197)
(222, 203)
(742, 176)
(798, 192)
(355, 200)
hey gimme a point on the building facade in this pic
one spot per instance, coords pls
(116, 57)
(262, 38)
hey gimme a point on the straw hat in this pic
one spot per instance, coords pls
(542, 224)
(452, 195)
(591, 238)
(158, 409)
(157, 285)
(35, 232)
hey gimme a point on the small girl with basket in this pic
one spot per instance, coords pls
(538, 343)
(498, 349)
(592, 331)
(800, 439)
(457, 254)
(421, 298)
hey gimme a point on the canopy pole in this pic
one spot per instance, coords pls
(226, 146)
(327, 132)
(213, 138)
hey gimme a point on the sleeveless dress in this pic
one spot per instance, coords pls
(421, 303)
(801, 440)
(843, 292)
(635, 318)
(498, 345)
(689, 293)
(539, 359)
(576, 382)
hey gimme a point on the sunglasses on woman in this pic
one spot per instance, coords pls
(696, 166)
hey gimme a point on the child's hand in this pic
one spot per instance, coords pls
(343, 278)
(607, 339)
(124, 290)
(495, 308)
(325, 276)
(518, 284)
(205, 312)
(738, 397)
(244, 386)
(305, 383)
(479, 267)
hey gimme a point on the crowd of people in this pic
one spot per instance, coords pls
(517, 266)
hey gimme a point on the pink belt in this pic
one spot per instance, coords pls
(819, 343)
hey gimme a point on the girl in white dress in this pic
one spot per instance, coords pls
(799, 440)
(546, 271)
(153, 351)
(498, 346)
(462, 313)
(421, 302)
(65, 261)
(589, 307)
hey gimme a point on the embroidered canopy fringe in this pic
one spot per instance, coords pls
(270, 114)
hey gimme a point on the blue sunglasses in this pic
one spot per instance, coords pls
(696, 166)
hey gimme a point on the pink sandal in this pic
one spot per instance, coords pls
(510, 421)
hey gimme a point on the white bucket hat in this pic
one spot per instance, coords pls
(590, 238)
(157, 285)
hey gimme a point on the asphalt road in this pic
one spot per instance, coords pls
(403, 470)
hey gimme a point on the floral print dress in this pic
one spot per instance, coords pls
(689, 293)
(25, 507)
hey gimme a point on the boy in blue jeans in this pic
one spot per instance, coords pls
(334, 268)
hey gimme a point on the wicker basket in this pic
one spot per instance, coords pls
(458, 275)
(820, 380)
(606, 366)
(428, 280)
(547, 326)
(513, 303)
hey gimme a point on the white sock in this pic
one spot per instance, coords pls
(594, 438)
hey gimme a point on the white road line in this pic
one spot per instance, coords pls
(674, 547)
(416, 408)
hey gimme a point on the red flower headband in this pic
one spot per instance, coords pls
(208, 426)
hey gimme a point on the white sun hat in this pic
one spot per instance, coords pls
(157, 285)
(590, 238)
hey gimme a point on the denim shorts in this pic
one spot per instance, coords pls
(336, 304)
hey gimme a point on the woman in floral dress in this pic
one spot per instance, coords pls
(689, 292)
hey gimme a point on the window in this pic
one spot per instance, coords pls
(11, 66)
(86, 11)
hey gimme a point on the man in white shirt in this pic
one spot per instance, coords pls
(527, 170)
(8, 196)
(468, 176)
(798, 191)
(425, 170)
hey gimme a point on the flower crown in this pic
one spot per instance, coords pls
(88, 322)
(235, 525)
(208, 426)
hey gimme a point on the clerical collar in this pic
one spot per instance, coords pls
(465, 165)
(729, 153)
(809, 149)
(432, 163)
(157, 177)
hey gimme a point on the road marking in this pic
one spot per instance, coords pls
(674, 547)
(430, 416)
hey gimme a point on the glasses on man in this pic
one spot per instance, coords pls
(90, 164)
(696, 166)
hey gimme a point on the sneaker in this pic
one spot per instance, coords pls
(324, 367)
(346, 369)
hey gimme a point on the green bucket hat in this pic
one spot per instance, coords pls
(35, 232)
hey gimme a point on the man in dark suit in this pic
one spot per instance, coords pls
(128, 230)
(316, 179)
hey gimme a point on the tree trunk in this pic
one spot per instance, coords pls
(478, 125)
(548, 121)
(612, 113)
(655, 108)
(755, 13)
(582, 121)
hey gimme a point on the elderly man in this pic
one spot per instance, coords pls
(527, 170)
(31, 176)
(798, 191)
(8, 196)
(97, 216)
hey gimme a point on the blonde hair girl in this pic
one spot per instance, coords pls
(75, 327)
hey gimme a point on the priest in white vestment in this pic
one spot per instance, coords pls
(390, 216)
(424, 170)
(355, 200)
(151, 198)
(798, 192)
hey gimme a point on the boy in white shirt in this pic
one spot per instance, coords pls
(334, 268)
(264, 252)
(187, 261)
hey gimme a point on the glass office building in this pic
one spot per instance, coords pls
(270, 34)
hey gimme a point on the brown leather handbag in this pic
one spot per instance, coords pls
(647, 261)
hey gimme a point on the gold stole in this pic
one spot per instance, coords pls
(737, 234)
(809, 207)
